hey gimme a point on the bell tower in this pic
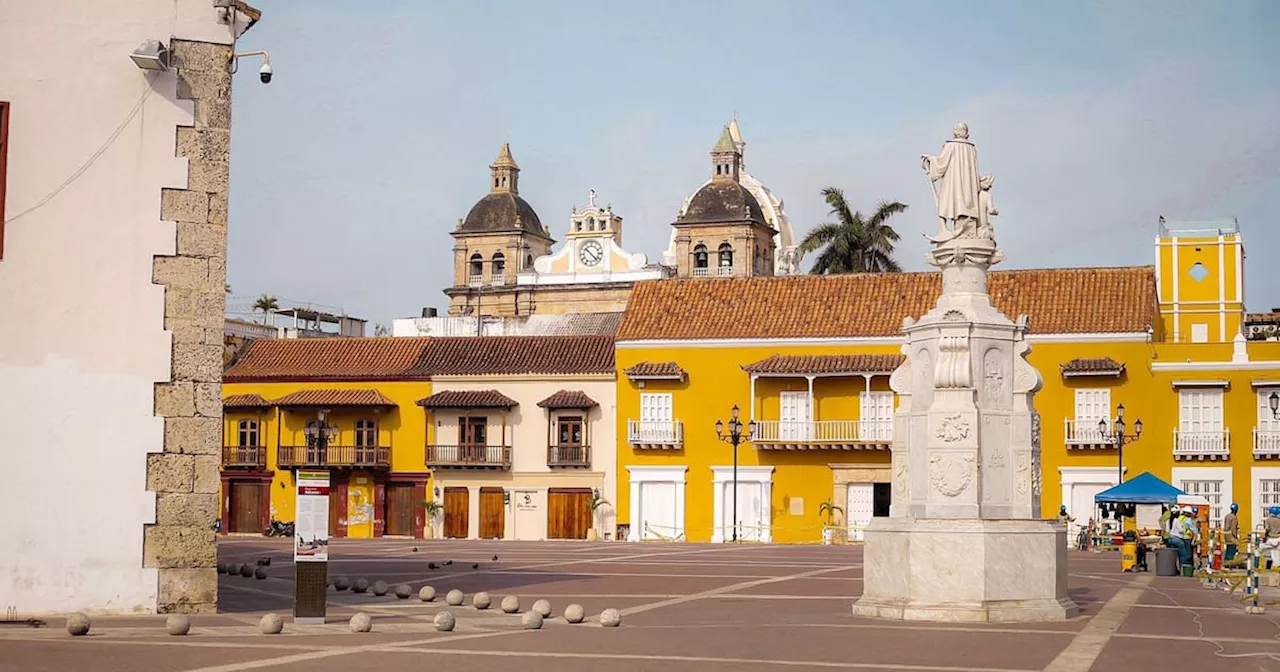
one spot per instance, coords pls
(505, 172)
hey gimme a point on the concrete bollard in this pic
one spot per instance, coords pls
(610, 618)
(78, 624)
(177, 624)
(531, 620)
(444, 621)
(361, 622)
(427, 594)
(510, 604)
(543, 608)
(574, 613)
(271, 624)
(481, 600)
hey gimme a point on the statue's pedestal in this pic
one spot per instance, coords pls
(957, 570)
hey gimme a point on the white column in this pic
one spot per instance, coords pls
(635, 532)
(751, 414)
(718, 485)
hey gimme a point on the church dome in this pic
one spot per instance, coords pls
(723, 201)
(501, 211)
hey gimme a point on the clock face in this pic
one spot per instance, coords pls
(591, 253)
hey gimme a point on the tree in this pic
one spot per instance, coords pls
(853, 244)
(267, 304)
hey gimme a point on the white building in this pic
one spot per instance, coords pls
(113, 198)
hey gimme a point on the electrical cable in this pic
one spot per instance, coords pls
(1221, 652)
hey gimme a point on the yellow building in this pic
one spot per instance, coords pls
(373, 411)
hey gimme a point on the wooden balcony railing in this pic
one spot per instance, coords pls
(469, 456)
(657, 433)
(568, 456)
(334, 456)
(1214, 445)
(244, 456)
(840, 434)
(1266, 442)
(1084, 433)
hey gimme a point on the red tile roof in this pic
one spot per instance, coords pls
(655, 370)
(810, 364)
(308, 398)
(468, 399)
(568, 399)
(245, 401)
(515, 355)
(1103, 366)
(1058, 301)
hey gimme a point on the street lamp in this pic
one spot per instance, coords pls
(1119, 437)
(734, 437)
(319, 435)
(1274, 402)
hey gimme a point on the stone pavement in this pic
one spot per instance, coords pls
(686, 608)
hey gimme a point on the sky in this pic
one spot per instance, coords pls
(350, 169)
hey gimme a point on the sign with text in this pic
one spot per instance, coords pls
(311, 531)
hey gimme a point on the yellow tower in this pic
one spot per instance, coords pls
(1200, 280)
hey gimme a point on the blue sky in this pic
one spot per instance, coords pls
(350, 169)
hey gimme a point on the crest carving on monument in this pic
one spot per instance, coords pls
(993, 375)
(950, 474)
(1024, 474)
(952, 428)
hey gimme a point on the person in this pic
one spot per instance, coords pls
(1190, 533)
(1230, 533)
(1065, 519)
(1176, 536)
(1271, 536)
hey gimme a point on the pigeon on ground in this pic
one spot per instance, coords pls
(449, 562)
(415, 549)
(431, 565)
(495, 558)
(475, 566)
(264, 562)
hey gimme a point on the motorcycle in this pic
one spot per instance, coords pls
(279, 529)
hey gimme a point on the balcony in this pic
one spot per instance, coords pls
(498, 279)
(252, 457)
(663, 434)
(724, 270)
(1084, 433)
(475, 279)
(1215, 445)
(1266, 443)
(569, 456)
(875, 434)
(701, 272)
(334, 456)
(469, 457)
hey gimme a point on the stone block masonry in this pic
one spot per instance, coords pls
(181, 543)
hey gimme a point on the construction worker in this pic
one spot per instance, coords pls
(1230, 533)
(1271, 536)
(1180, 535)
(1190, 533)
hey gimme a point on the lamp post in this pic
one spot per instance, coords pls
(319, 435)
(734, 437)
(1274, 402)
(1118, 437)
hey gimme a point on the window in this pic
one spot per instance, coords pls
(1200, 421)
(248, 433)
(1210, 489)
(471, 430)
(1268, 496)
(876, 418)
(366, 434)
(498, 271)
(1267, 422)
(726, 255)
(1200, 332)
(477, 266)
(1092, 407)
(657, 423)
(528, 261)
(569, 430)
(700, 256)
(4, 152)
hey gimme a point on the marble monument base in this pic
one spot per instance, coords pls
(965, 571)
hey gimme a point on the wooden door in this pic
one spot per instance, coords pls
(457, 513)
(568, 513)
(246, 507)
(492, 508)
(337, 507)
(569, 448)
(471, 437)
(400, 507)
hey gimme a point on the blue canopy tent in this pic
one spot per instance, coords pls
(1142, 489)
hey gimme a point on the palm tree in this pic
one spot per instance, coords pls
(267, 304)
(854, 244)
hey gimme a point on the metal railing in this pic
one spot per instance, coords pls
(1084, 432)
(568, 456)
(334, 456)
(658, 432)
(468, 455)
(878, 430)
(1266, 441)
(244, 456)
(1201, 443)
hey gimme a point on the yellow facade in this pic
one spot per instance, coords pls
(1200, 278)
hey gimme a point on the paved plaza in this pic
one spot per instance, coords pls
(686, 608)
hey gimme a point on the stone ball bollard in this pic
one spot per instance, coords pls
(510, 604)
(481, 600)
(454, 598)
(271, 624)
(246, 570)
(222, 568)
(177, 624)
(574, 613)
(444, 621)
(361, 622)
(427, 594)
(260, 573)
(360, 586)
(341, 583)
(78, 624)
(380, 588)
(610, 618)
(403, 591)
(531, 620)
(233, 569)
(542, 607)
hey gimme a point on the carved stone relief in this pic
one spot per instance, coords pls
(900, 492)
(1035, 432)
(993, 375)
(1035, 474)
(952, 370)
(950, 474)
(1024, 474)
(952, 428)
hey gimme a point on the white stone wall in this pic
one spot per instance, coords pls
(91, 147)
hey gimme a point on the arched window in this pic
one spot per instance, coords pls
(499, 269)
(248, 433)
(476, 270)
(726, 258)
(700, 256)
(528, 261)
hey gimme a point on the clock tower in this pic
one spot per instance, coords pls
(594, 233)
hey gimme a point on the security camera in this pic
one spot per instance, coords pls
(265, 73)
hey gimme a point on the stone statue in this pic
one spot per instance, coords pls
(986, 208)
(953, 176)
(591, 199)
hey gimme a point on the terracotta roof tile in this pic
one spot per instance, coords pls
(334, 398)
(568, 399)
(514, 355)
(468, 399)
(1103, 366)
(327, 359)
(1058, 301)
(245, 401)
(655, 370)
(802, 364)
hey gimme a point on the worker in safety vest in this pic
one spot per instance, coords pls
(1271, 535)
(1181, 535)
(1167, 516)
(1231, 532)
